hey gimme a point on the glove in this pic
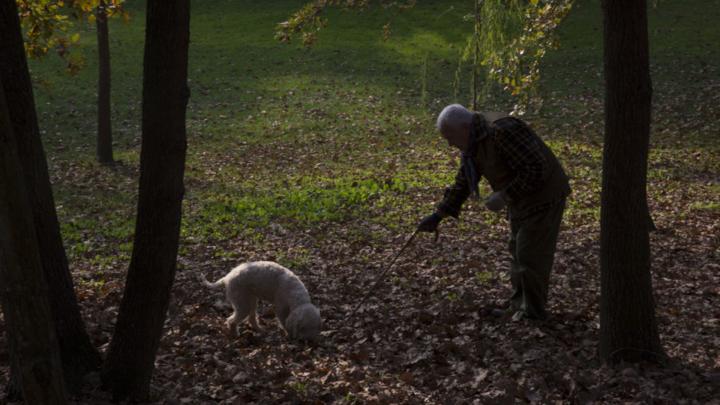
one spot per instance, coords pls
(496, 201)
(430, 223)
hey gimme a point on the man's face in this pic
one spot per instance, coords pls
(457, 136)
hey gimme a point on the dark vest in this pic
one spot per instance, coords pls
(494, 168)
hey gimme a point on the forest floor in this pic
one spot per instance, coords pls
(325, 159)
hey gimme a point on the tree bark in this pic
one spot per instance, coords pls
(104, 135)
(162, 163)
(76, 350)
(33, 344)
(628, 329)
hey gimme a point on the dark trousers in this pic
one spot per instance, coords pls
(532, 246)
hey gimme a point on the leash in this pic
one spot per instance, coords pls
(387, 269)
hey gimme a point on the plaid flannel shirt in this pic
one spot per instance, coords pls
(519, 146)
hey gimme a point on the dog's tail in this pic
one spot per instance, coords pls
(213, 286)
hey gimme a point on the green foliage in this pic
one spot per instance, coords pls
(308, 20)
(298, 258)
(299, 387)
(48, 25)
(706, 205)
(314, 200)
(88, 9)
(509, 40)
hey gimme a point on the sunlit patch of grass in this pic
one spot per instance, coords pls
(419, 43)
(98, 237)
(302, 201)
(308, 203)
(706, 206)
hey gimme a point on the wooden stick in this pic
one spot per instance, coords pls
(382, 275)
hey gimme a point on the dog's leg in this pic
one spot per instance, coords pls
(252, 316)
(231, 324)
(282, 310)
(242, 309)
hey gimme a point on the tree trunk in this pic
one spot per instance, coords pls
(76, 350)
(628, 330)
(162, 163)
(33, 344)
(104, 135)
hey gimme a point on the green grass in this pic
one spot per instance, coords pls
(280, 134)
(312, 201)
(706, 205)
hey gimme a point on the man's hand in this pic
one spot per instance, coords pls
(430, 223)
(496, 201)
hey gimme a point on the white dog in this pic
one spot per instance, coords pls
(274, 283)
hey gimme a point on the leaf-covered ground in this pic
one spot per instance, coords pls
(325, 159)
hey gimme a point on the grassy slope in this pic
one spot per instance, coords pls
(353, 99)
(315, 139)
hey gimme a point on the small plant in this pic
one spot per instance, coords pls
(299, 387)
(705, 205)
(296, 259)
(483, 277)
(350, 398)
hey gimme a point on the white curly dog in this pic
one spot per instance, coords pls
(271, 282)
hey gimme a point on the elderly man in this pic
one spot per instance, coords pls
(526, 177)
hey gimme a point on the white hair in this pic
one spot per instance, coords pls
(454, 115)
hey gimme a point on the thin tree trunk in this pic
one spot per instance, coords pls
(104, 135)
(628, 330)
(76, 350)
(144, 305)
(33, 344)
(476, 56)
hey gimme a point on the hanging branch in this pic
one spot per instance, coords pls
(509, 39)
